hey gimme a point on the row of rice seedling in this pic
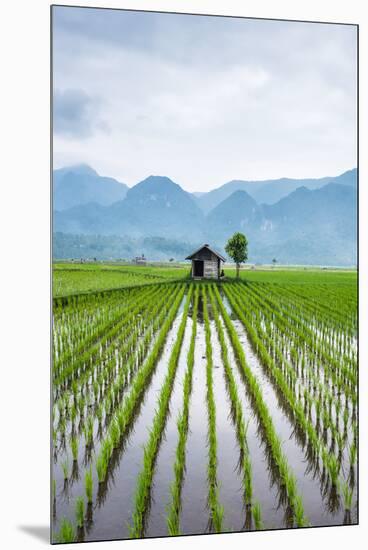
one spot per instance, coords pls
(304, 336)
(299, 344)
(92, 312)
(329, 462)
(112, 398)
(330, 466)
(216, 510)
(332, 345)
(70, 283)
(173, 516)
(76, 327)
(237, 413)
(113, 438)
(145, 478)
(336, 307)
(125, 412)
(136, 352)
(287, 478)
(320, 325)
(93, 374)
(318, 303)
(73, 368)
(115, 356)
(295, 342)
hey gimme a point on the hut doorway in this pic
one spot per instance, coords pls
(198, 268)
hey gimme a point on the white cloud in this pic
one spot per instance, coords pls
(206, 100)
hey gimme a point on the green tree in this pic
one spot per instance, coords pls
(274, 261)
(237, 248)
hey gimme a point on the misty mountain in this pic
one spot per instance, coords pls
(307, 226)
(238, 212)
(154, 207)
(80, 184)
(330, 210)
(270, 191)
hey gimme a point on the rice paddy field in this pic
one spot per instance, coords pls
(184, 407)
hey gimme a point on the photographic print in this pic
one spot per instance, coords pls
(204, 263)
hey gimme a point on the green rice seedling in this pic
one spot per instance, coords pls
(65, 468)
(60, 407)
(298, 508)
(75, 390)
(241, 426)
(347, 494)
(74, 447)
(125, 413)
(99, 413)
(261, 409)
(257, 516)
(172, 520)
(90, 430)
(101, 467)
(152, 446)
(115, 433)
(346, 418)
(216, 510)
(54, 438)
(88, 482)
(79, 511)
(352, 454)
(62, 427)
(81, 405)
(73, 413)
(66, 532)
(333, 469)
(340, 442)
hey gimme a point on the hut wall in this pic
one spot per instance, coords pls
(210, 269)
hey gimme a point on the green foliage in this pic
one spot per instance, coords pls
(79, 511)
(257, 518)
(65, 468)
(237, 248)
(347, 495)
(74, 278)
(66, 532)
(74, 447)
(88, 483)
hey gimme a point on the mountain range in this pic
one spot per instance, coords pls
(269, 191)
(307, 221)
(81, 184)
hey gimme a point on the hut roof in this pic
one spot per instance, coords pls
(209, 248)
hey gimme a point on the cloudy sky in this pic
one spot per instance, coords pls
(202, 100)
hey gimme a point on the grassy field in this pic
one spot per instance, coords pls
(184, 407)
(75, 278)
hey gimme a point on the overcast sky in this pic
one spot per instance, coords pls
(202, 100)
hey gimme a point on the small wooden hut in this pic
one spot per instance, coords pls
(206, 263)
(140, 260)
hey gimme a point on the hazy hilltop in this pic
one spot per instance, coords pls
(304, 221)
(269, 191)
(80, 184)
